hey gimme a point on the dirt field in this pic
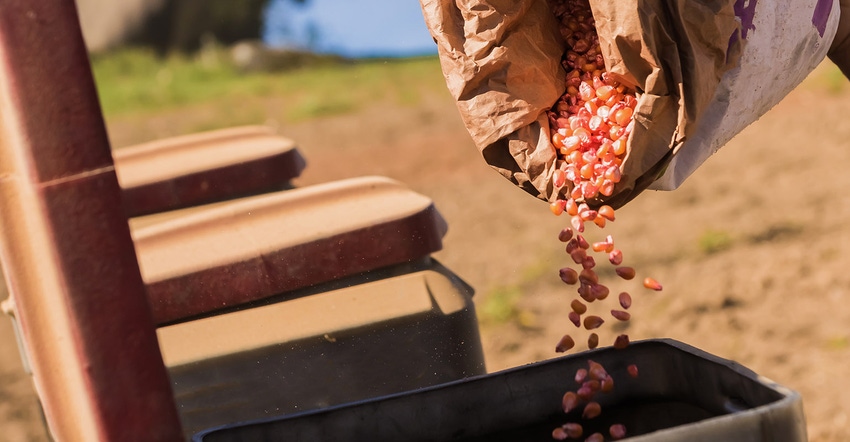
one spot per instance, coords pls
(749, 249)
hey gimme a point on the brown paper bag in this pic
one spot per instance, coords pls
(501, 60)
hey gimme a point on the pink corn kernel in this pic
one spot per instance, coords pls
(573, 430)
(620, 315)
(617, 431)
(560, 434)
(569, 401)
(591, 410)
(581, 375)
(625, 300)
(621, 342)
(596, 371)
(568, 275)
(626, 273)
(566, 343)
(595, 437)
(575, 318)
(615, 257)
(607, 384)
(578, 306)
(593, 322)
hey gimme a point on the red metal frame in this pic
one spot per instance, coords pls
(64, 240)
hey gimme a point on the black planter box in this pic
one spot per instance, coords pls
(681, 394)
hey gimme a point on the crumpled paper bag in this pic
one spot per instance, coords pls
(785, 41)
(501, 61)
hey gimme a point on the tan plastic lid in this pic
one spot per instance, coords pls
(199, 168)
(252, 248)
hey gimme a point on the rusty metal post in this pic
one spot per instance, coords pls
(65, 244)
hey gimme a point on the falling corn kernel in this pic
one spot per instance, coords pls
(596, 371)
(568, 275)
(599, 246)
(588, 276)
(588, 215)
(651, 284)
(559, 434)
(615, 257)
(569, 401)
(578, 255)
(617, 431)
(581, 375)
(626, 273)
(595, 437)
(557, 207)
(599, 291)
(578, 306)
(625, 300)
(582, 242)
(591, 410)
(571, 207)
(607, 212)
(585, 393)
(592, 384)
(575, 318)
(621, 342)
(573, 430)
(607, 384)
(593, 322)
(584, 290)
(620, 315)
(577, 222)
(566, 343)
(633, 370)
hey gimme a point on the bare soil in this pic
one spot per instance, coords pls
(750, 249)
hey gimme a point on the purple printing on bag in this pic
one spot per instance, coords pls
(821, 15)
(746, 11)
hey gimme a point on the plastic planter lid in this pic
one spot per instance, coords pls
(681, 394)
(195, 169)
(232, 253)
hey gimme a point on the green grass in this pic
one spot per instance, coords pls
(500, 306)
(713, 241)
(827, 78)
(838, 343)
(133, 81)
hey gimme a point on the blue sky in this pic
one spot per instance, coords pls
(361, 28)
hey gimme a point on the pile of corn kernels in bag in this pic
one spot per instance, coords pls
(590, 126)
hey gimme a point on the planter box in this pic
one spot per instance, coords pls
(682, 393)
(413, 326)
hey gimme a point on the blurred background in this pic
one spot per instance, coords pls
(749, 249)
(368, 29)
